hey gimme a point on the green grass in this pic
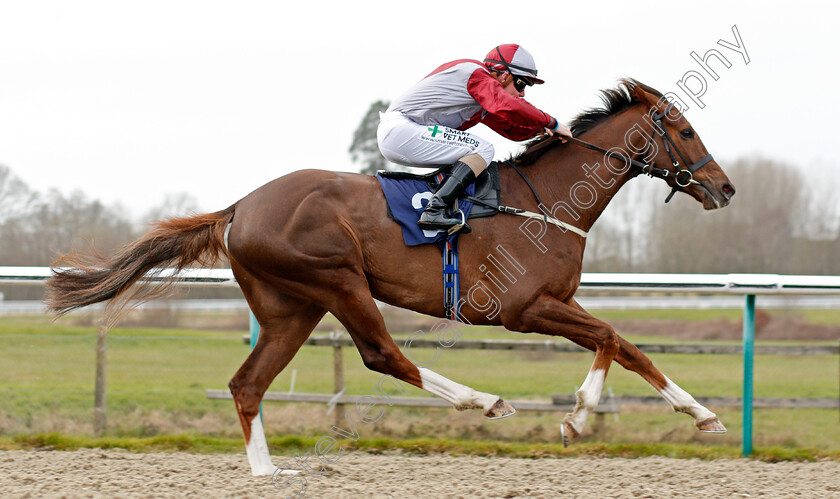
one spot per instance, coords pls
(157, 380)
(280, 446)
(828, 317)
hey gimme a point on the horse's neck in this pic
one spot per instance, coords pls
(578, 179)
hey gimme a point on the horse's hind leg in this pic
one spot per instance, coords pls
(353, 305)
(284, 326)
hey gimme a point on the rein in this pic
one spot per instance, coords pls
(529, 214)
(683, 177)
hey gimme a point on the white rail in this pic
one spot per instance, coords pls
(741, 284)
(187, 277)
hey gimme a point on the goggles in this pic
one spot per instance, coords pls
(520, 82)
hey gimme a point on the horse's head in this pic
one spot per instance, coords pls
(679, 149)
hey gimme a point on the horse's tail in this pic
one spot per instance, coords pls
(178, 242)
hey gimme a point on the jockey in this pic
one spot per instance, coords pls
(426, 125)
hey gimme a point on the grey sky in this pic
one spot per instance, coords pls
(128, 101)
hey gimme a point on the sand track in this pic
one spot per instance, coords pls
(112, 473)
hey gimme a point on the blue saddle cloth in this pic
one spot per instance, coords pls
(407, 198)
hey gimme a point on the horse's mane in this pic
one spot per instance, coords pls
(615, 100)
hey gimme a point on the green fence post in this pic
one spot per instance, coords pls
(747, 399)
(254, 328)
(255, 333)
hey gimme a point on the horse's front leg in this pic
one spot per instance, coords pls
(631, 358)
(550, 316)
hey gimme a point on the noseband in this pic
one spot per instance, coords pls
(683, 177)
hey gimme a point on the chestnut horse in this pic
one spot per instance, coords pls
(317, 241)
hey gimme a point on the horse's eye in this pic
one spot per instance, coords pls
(687, 133)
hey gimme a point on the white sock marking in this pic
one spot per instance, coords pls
(462, 397)
(257, 450)
(682, 401)
(588, 396)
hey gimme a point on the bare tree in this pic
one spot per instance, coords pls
(173, 205)
(50, 225)
(58, 224)
(619, 241)
(776, 224)
(755, 234)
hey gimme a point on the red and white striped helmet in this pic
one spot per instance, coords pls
(513, 59)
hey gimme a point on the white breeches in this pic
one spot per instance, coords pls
(405, 142)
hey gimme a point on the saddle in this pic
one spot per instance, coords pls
(403, 192)
(487, 195)
(403, 195)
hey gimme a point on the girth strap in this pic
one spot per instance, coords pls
(451, 280)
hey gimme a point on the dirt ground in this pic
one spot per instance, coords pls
(113, 473)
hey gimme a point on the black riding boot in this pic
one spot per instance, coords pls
(435, 217)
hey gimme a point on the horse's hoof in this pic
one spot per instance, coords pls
(569, 434)
(264, 470)
(711, 425)
(500, 409)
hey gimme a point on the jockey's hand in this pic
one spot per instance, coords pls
(562, 130)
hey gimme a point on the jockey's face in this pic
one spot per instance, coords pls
(506, 79)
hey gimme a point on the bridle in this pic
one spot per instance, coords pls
(688, 170)
(683, 177)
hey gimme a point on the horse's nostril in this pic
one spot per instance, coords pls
(728, 191)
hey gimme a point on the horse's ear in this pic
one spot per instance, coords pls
(644, 97)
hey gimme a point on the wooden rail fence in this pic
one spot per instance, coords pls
(558, 403)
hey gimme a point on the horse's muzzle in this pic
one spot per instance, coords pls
(716, 197)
